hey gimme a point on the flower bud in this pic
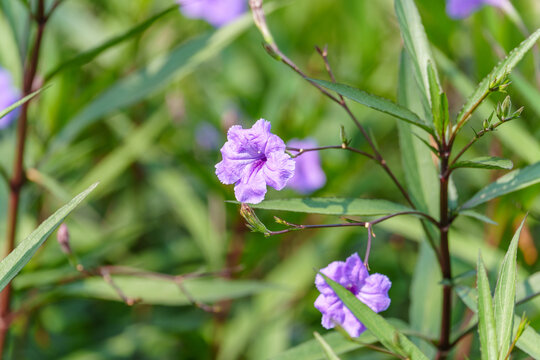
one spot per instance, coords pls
(62, 235)
(253, 222)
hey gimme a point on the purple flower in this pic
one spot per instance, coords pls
(252, 159)
(308, 175)
(459, 9)
(216, 12)
(372, 290)
(8, 95)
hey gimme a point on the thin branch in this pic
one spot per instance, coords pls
(476, 137)
(466, 117)
(366, 224)
(300, 151)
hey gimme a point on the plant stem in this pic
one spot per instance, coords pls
(446, 269)
(341, 147)
(17, 180)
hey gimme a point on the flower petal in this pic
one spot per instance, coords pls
(278, 169)
(374, 293)
(251, 188)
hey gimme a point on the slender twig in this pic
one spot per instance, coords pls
(476, 137)
(272, 48)
(368, 246)
(296, 227)
(17, 180)
(300, 151)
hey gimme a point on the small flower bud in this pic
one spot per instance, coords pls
(62, 235)
(253, 222)
(506, 105)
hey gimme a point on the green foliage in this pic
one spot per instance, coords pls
(334, 206)
(485, 162)
(21, 255)
(376, 102)
(486, 318)
(513, 181)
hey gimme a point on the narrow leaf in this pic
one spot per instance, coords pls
(505, 296)
(334, 206)
(478, 216)
(485, 162)
(15, 261)
(437, 107)
(387, 334)
(377, 103)
(486, 318)
(13, 106)
(498, 73)
(513, 181)
(528, 341)
(328, 351)
(416, 44)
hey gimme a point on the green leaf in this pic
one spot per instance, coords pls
(485, 162)
(328, 351)
(513, 181)
(417, 46)
(486, 319)
(498, 73)
(13, 106)
(387, 334)
(15, 261)
(478, 216)
(529, 340)
(439, 102)
(376, 102)
(334, 206)
(505, 296)
(87, 56)
(162, 292)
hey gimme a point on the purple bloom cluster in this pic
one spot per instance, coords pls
(308, 174)
(372, 290)
(459, 9)
(252, 159)
(8, 96)
(216, 12)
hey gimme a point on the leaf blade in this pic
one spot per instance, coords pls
(15, 261)
(500, 71)
(485, 162)
(505, 295)
(376, 102)
(333, 206)
(486, 317)
(513, 181)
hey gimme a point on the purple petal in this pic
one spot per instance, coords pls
(278, 169)
(308, 174)
(251, 188)
(353, 275)
(216, 12)
(374, 293)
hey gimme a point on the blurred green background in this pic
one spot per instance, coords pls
(147, 118)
